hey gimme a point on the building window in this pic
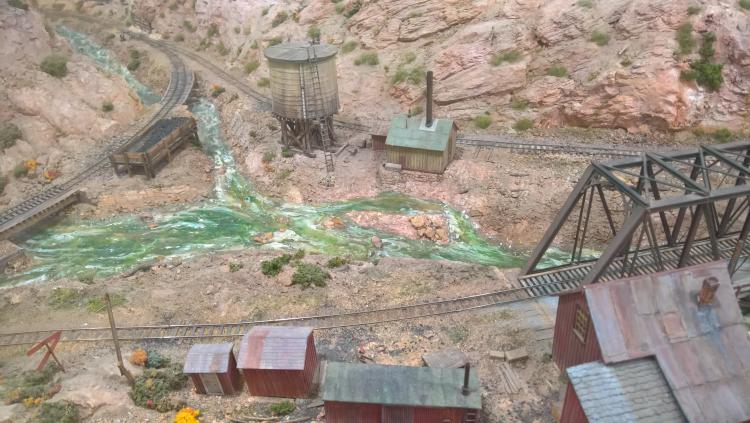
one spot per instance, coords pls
(581, 324)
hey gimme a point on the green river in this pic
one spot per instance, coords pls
(236, 213)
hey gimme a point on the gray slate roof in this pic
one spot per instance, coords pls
(632, 391)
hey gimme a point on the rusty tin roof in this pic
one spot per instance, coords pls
(208, 358)
(703, 351)
(274, 348)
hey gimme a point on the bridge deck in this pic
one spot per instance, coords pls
(566, 278)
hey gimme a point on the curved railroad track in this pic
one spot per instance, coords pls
(319, 322)
(180, 84)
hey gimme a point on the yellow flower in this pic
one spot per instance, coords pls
(187, 415)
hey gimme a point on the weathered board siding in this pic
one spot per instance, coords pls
(422, 160)
(572, 411)
(341, 412)
(284, 383)
(567, 349)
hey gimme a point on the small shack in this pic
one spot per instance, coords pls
(664, 347)
(213, 369)
(156, 145)
(379, 135)
(369, 393)
(421, 144)
(278, 361)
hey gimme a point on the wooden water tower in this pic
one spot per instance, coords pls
(305, 95)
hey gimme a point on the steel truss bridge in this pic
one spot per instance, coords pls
(654, 213)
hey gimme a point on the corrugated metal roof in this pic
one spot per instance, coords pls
(703, 351)
(274, 348)
(300, 52)
(208, 358)
(406, 132)
(633, 391)
(400, 385)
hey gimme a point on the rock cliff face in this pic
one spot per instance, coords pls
(616, 60)
(60, 119)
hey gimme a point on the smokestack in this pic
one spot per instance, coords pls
(708, 291)
(467, 372)
(428, 95)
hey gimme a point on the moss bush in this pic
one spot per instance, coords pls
(745, 4)
(279, 19)
(309, 275)
(213, 30)
(58, 412)
(3, 183)
(523, 125)
(107, 106)
(274, 41)
(18, 4)
(510, 56)
(179, 38)
(599, 38)
(313, 32)
(275, 266)
(251, 67)
(31, 384)
(588, 4)
(558, 71)
(153, 389)
(189, 26)
(369, 58)
(722, 135)
(55, 65)
(693, 10)
(349, 46)
(282, 408)
(9, 134)
(336, 262)
(482, 121)
(20, 170)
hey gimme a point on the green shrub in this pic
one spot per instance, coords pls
(153, 388)
(134, 64)
(275, 266)
(509, 56)
(251, 67)
(20, 170)
(3, 183)
(179, 38)
(458, 334)
(30, 384)
(409, 57)
(313, 32)
(707, 50)
(336, 262)
(237, 30)
(279, 19)
(369, 58)
(274, 41)
(482, 121)
(519, 103)
(588, 4)
(9, 134)
(254, 45)
(58, 412)
(18, 4)
(558, 71)
(309, 275)
(282, 408)
(107, 106)
(264, 12)
(722, 135)
(685, 38)
(268, 157)
(217, 90)
(626, 62)
(299, 254)
(399, 76)
(55, 65)
(349, 46)
(340, 7)
(745, 4)
(416, 110)
(523, 125)
(353, 9)
(707, 75)
(222, 49)
(213, 30)
(156, 360)
(98, 305)
(285, 152)
(693, 10)
(87, 276)
(599, 38)
(189, 26)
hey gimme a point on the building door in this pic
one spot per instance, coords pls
(398, 415)
(211, 383)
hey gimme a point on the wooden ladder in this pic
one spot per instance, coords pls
(325, 135)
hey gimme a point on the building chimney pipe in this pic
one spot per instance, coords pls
(428, 96)
(467, 372)
(708, 291)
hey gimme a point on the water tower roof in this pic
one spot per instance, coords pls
(299, 52)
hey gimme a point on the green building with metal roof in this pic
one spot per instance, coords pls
(365, 393)
(416, 146)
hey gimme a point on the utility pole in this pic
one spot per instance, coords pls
(120, 365)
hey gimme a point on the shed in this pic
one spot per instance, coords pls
(369, 393)
(414, 146)
(379, 135)
(278, 361)
(686, 321)
(213, 369)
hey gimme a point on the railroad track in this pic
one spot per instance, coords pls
(491, 141)
(180, 85)
(320, 322)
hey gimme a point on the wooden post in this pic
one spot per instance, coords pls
(120, 365)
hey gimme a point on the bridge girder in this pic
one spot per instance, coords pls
(673, 208)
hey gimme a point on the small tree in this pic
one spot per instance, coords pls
(482, 121)
(107, 106)
(55, 65)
